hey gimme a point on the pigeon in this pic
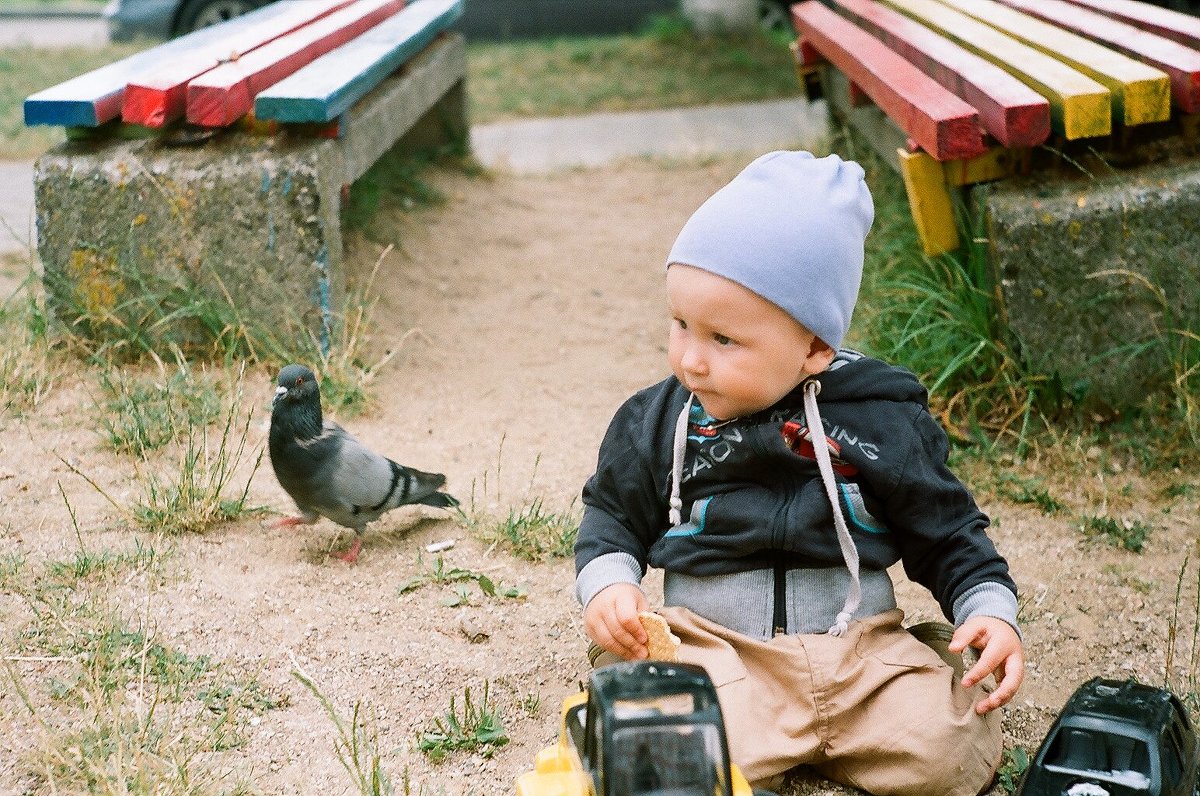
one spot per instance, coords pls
(331, 474)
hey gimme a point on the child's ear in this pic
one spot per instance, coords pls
(820, 354)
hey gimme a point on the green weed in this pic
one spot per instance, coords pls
(440, 574)
(1012, 767)
(531, 704)
(1127, 534)
(356, 743)
(1184, 679)
(478, 729)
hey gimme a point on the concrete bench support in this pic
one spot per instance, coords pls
(250, 221)
(1093, 273)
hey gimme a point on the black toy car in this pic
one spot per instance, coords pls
(643, 728)
(1116, 738)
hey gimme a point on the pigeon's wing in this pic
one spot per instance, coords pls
(361, 485)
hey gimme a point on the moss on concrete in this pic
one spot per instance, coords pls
(1098, 275)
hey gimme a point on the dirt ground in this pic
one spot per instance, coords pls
(525, 309)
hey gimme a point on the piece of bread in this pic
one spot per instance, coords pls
(663, 644)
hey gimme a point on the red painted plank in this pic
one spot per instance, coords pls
(1174, 25)
(1014, 114)
(157, 96)
(219, 97)
(1182, 64)
(940, 123)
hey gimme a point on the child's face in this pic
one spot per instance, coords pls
(737, 352)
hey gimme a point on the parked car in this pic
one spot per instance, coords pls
(1116, 738)
(163, 19)
(481, 19)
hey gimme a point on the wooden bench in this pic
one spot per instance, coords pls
(221, 158)
(1068, 131)
(1018, 73)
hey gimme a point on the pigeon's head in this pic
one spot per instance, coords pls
(296, 384)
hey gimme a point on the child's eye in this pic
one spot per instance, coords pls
(682, 323)
(721, 339)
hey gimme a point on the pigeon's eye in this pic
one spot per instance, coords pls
(299, 381)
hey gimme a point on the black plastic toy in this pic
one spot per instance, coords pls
(1116, 738)
(647, 728)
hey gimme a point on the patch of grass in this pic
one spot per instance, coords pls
(1130, 577)
(26, 70)
(1129, 535)
(194, 498)
(477, 729)
(1027, 491)
(939, 317)
(141, 413)
(191, 497)
(84, 564)
(116, 710)
(532, 532)
(12, 570)
(230, 698)
(29, 370)
(665, 66)
(1178, 490)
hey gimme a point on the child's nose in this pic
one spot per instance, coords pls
(693, 360)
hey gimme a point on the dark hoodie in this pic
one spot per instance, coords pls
(754, 494)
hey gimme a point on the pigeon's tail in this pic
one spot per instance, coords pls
(415, 486)
(440, 500)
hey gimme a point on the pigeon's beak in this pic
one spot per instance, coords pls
(280, 391)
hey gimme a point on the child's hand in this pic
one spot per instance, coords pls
(611, 619)
(1000, 653)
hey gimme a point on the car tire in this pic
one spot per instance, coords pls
(774, 15)
(196, 14)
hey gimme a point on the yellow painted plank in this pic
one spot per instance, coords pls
(1079, 106)
(1140, 93)
(929, 201)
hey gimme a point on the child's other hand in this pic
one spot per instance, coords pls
(1000, 653)
(611, 619)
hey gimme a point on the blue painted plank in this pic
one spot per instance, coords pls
(95, 97)
(328, 86)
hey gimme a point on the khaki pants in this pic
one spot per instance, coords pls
(875, 709)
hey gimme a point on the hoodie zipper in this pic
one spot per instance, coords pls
(779, 609)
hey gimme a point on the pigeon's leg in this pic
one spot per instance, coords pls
(305, 518)
(351, 555)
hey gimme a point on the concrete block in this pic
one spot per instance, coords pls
(1095, 274)
(251, 223)
(1098, 275)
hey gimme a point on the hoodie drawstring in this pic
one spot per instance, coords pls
(815, 427)
(678, 449)
(849, 552)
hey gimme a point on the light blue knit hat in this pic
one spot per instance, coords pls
(789, 227)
